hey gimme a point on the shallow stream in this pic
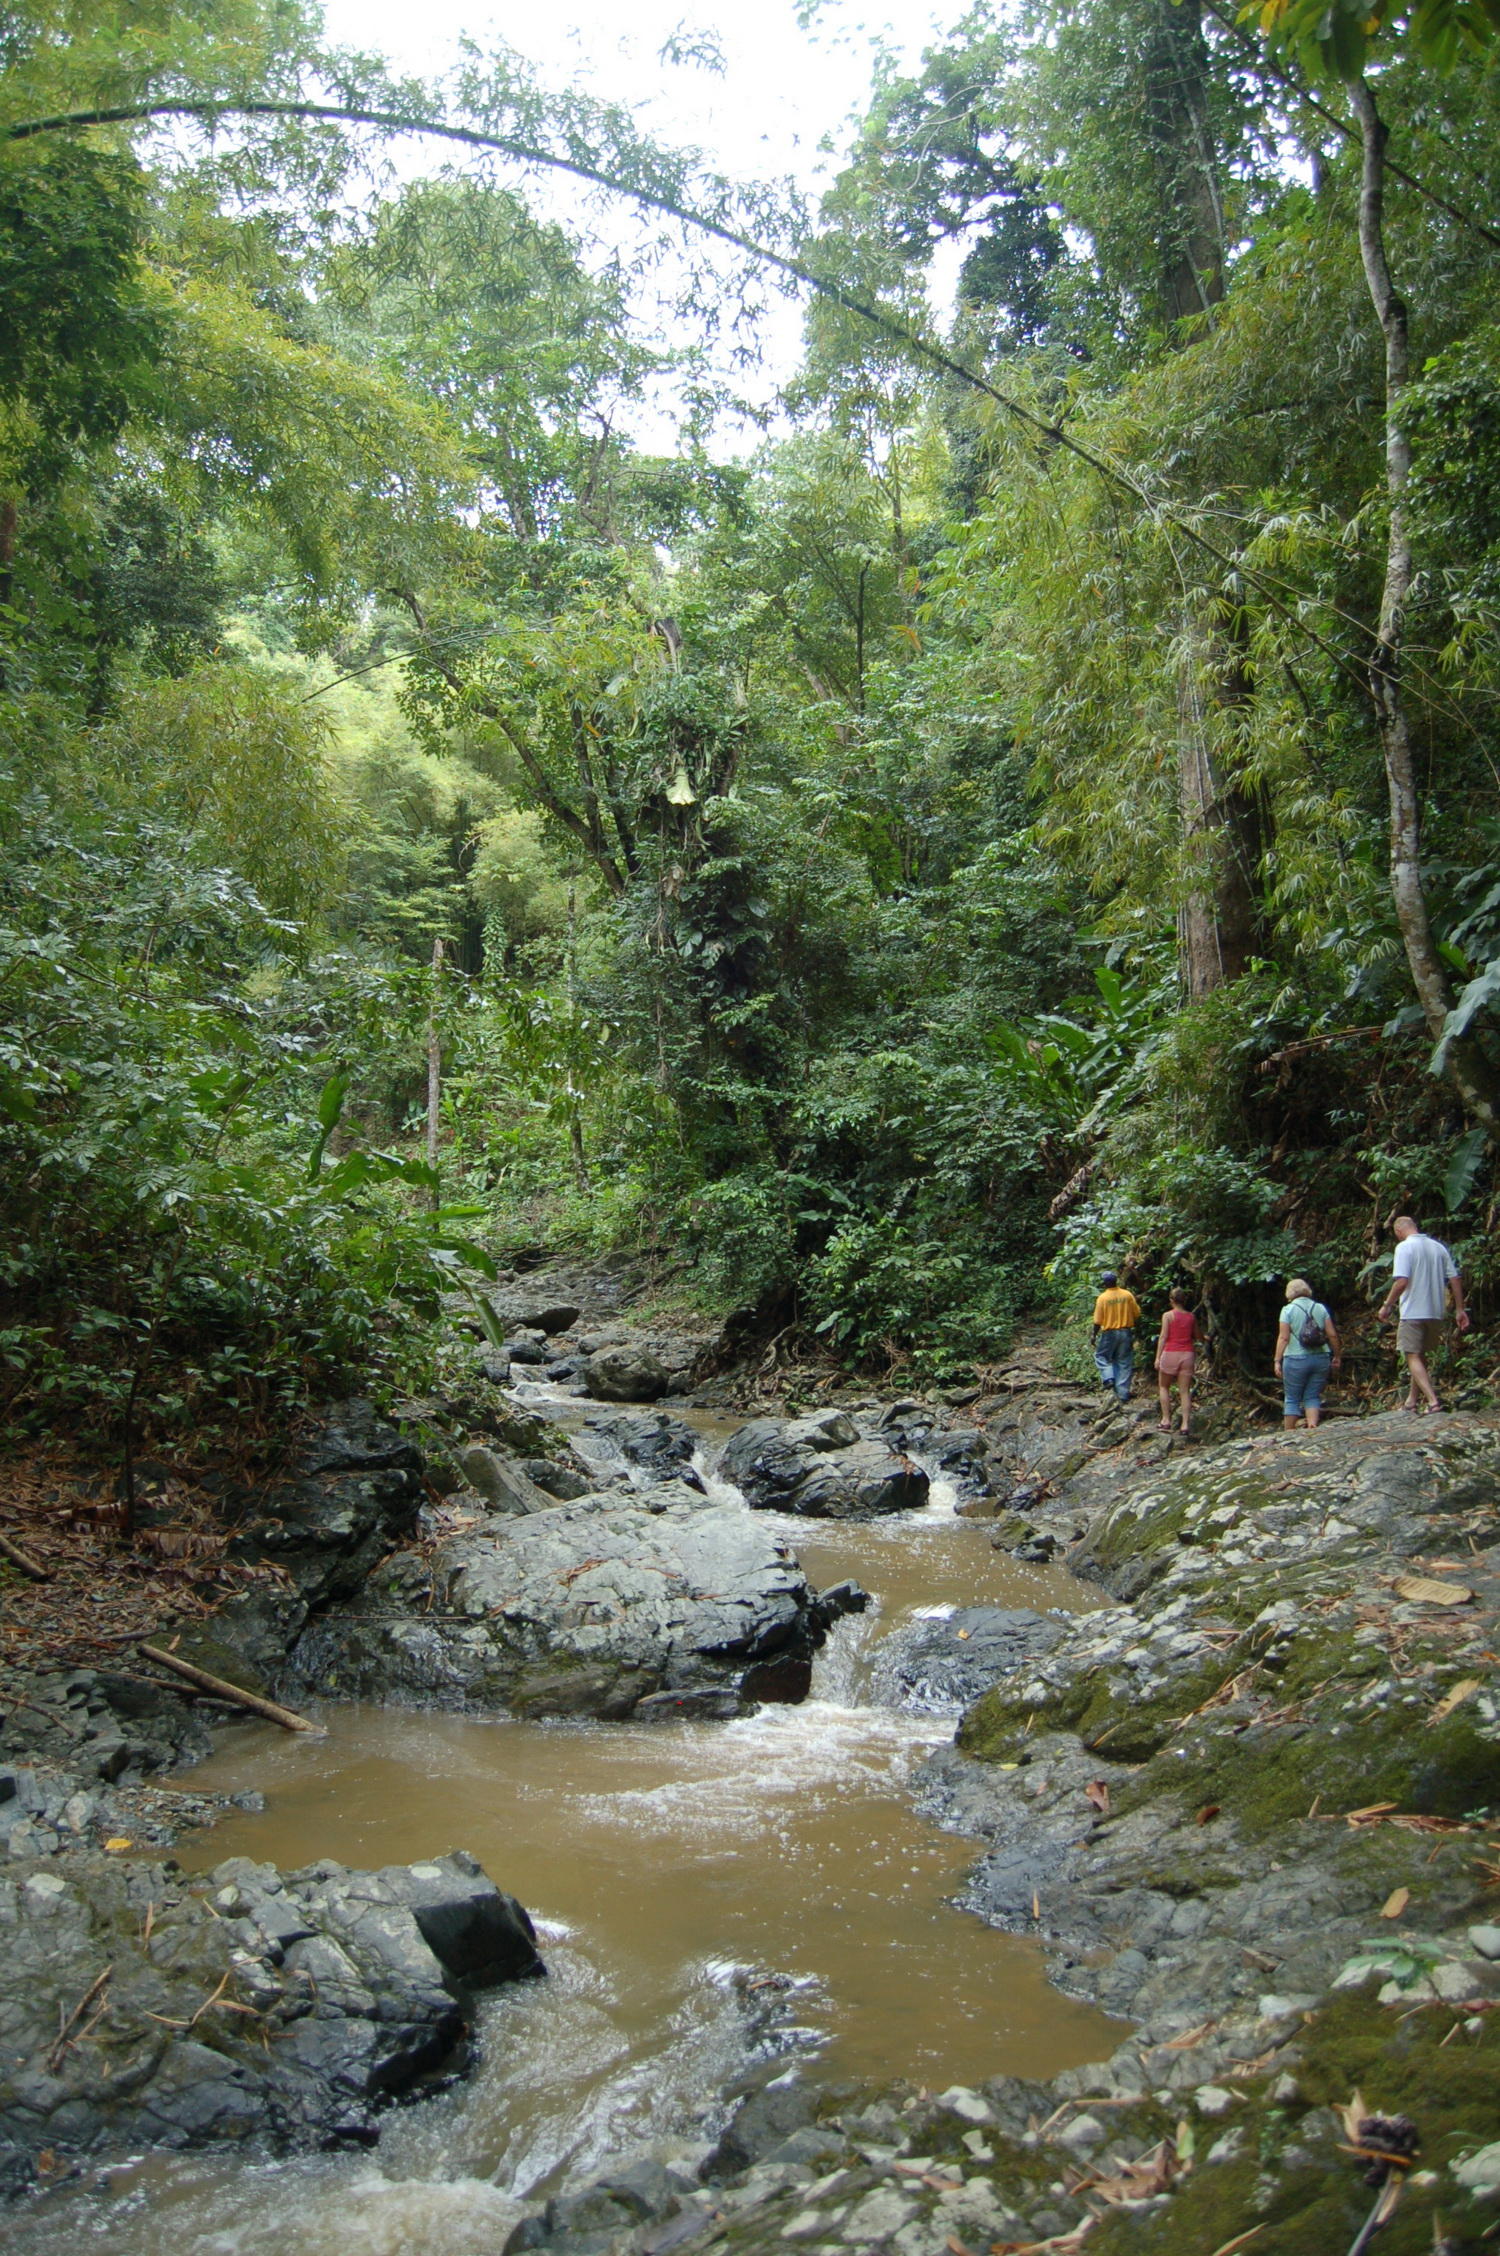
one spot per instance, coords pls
(675, 1872)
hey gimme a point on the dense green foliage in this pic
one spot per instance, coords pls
(892, 872)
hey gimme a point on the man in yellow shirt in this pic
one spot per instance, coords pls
(1116, 1314)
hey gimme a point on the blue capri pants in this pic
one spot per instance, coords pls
(1303, 1378)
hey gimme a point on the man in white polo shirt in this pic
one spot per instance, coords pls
(1424, 1274)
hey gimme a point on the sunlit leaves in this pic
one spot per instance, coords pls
(1333, 38)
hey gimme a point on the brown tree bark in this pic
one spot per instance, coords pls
(1186, 161)
(434, 1062)
(1467, 1067)
(1220, 923)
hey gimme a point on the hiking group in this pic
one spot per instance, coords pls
(1425, 1278)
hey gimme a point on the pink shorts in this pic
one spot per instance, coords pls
(1174, 1359)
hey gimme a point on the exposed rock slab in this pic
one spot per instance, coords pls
(587, 1609)
(820, 1467)
(1156, 1778)
(250, 2008)
(658, 1445)
(948, 1658)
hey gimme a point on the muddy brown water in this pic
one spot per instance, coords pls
(665, 1865)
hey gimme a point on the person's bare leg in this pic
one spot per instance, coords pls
(1185, 1390)
(1164, 1396)
(1421, 1382)
(1313, 1413)
(1290, 1425)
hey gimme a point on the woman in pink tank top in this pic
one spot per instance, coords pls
(1176, 1349)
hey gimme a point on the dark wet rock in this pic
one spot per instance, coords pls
(1037, 1550)
(952, 1451)
(947, 1659)
(703, 1706)
(99, 1724)
(625, 1374)
(1041, 1434)
(586, 1609)
(809, 1466)
(685, 1492)
(266, 2009)
(549, 1317)
(659, 1445)
(842, 1598)
(495, 1367)
(528, 1348)
(561, 1482)
(504, 1485)
(347, 1494)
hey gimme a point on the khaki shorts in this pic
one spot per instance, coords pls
(1419, 1335)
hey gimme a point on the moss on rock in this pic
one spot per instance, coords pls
(1292, 2185)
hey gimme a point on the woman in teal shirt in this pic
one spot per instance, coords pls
(1307, 1351)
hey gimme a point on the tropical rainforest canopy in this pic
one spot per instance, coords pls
(1038, 805)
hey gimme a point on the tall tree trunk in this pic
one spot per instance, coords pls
(1220, 925)
(434, 1061)
(9, 515)
(1186, 161)
(574, 1096)
(1468, 1069)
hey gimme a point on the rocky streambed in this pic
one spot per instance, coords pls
(1244, 1805)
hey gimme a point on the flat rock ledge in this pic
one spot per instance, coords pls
(249, 2008)
(660, 1603)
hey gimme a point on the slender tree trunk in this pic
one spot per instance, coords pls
(1185, 160)
(575, 1101)
(9, 515)
(1468, 1069)
(434, 1061)
(1220, 925)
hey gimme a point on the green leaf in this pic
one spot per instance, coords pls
(330, 1107)
(1478, 995)
(494, 1330)
(1463, 1167)
(474, 1255)
(331, 1102)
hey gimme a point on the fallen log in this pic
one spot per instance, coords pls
(24, 1560)
(235, 1694)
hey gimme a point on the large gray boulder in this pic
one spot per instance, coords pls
(591, 1608)
(820, 1468)
(625, 1374)
(247, 2007)
(504, 1485)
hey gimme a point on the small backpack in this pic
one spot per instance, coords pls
(1312, 1338)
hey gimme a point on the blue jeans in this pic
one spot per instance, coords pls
(1303, 1378)
(1114, 1352)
